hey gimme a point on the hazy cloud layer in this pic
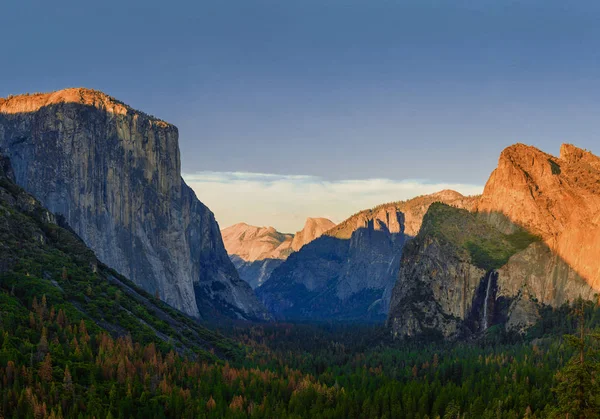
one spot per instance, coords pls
(284, 201)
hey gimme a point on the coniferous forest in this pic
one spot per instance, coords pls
(54, 364)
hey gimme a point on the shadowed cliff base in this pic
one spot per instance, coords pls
(114, 174)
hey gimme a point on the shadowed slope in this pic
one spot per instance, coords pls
(348, 273)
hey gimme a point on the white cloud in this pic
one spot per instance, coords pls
(284, 201)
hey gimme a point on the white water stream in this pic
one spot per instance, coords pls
(485, 304)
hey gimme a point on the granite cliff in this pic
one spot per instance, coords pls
(348, 273)
(531, 239)
(114, 174)
(557, 198)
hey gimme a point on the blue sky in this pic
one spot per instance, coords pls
(337, 90)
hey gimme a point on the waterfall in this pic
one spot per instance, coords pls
(485, 303)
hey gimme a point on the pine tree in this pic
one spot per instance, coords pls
(42, 348)
(45, 371)
(577, 389)
(68, 381)
(211, 404)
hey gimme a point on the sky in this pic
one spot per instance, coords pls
(277, 100)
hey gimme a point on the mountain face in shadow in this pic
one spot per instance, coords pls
(531, 239)
(257, 251)
(114, 174)
(348, 273)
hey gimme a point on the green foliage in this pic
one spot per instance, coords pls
(577, 388)
(487, 247)
(554, 167)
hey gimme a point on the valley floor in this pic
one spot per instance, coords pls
(55, 366)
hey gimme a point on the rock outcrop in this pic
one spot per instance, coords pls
(313, 229)
(348, 273)
(531, 240)
(114, 174)
(557, 198)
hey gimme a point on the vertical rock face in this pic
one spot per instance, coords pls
(114, 174)
(257, 272)
(348, 273)
(535, 227)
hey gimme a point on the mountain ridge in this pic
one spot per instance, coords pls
(349, 272)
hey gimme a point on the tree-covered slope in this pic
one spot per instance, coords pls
(39, 258)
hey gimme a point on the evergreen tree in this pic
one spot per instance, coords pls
(577, 385)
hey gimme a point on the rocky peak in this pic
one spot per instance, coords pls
(313, 228)
(572, 155)
(535, 227)
(556, 198)
(251, 243)
(257, 251)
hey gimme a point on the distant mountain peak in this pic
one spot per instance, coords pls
(313, 228)
(251, 243)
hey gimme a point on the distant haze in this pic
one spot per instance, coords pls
(285, 202)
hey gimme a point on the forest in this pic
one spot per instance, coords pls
(53, 364)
